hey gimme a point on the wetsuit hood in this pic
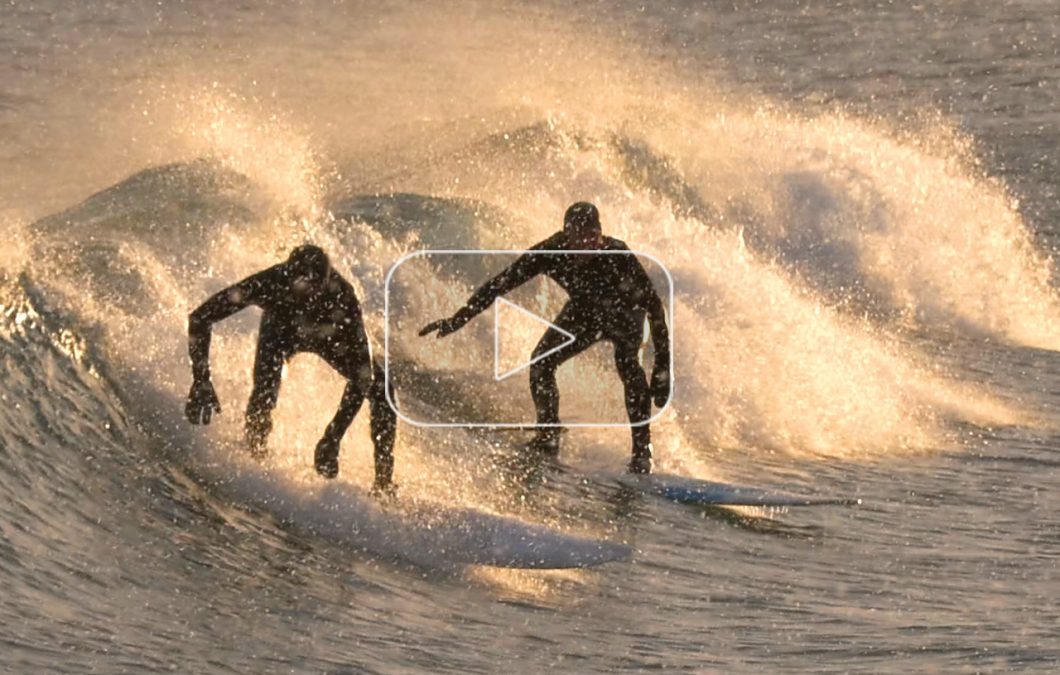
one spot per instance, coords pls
(309, 261)
(581, 218)
(581, 226)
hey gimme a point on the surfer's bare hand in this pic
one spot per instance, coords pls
(202, 402)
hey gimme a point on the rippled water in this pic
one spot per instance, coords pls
(858, 206)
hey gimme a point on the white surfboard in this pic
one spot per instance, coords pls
(469, 536)
(437, 535)
(686, 490)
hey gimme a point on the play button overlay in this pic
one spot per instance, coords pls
(515, 332)
(478, 376)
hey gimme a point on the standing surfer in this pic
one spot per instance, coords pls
(610, 296)
(307, 307)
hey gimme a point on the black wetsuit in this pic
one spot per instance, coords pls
(610, 296)
(322, 318)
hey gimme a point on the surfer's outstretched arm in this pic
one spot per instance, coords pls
(528, 266)
(218, 307)
(202, 400)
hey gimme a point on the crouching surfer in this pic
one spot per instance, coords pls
(611, 295)
(307, 307)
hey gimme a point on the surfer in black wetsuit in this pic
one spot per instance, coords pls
(610, 296)
(307, 307)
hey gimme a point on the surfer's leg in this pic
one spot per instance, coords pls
(638, 401)
(268, 369)
(384, 429)
(543, 387)
(326, 457)
(352, 358)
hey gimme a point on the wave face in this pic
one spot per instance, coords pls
(864, 306)
(786, 348)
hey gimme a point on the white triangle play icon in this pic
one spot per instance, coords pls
(505, 306)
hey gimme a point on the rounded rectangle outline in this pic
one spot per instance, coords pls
(516, 425)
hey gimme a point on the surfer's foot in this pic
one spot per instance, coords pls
(327, 467)
(257, 448)
(545, 442)
(640, 464)
(326, 458)
(384, 491)
(256, 434)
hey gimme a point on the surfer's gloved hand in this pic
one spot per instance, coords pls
(660, 383)
(202, 402)
(450, 325)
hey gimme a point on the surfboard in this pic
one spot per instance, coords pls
(432, 534)
(473, 537)
(685, 490)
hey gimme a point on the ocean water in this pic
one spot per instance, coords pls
(857, 203)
